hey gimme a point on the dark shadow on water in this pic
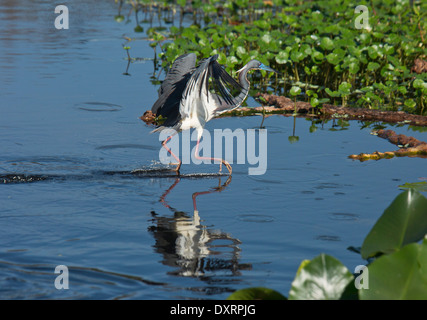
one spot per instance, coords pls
(194, 250)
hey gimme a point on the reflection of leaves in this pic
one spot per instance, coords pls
(119, 18)
(138, 28)
(403, 222)
(401, 275)
(323, 278)
(258, 293)
(293, 139)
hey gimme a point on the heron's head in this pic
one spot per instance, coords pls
(256, 65)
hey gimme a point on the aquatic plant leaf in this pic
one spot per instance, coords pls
(419, 186)
(401, 275)
(333, 58)
(297, 56)
(293, 139)
(317, 56)
(327, 43)
(403, 222)
(332, 93)
(323, 278)
(419, 83)
(295, 91)
(138, 28)
(353, 67)
(282, 57)
(344, 88)
(256, 293)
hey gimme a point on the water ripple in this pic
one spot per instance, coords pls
(98, 106)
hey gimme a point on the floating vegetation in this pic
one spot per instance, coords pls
(408, 146)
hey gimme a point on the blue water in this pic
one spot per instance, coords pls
(68, 112)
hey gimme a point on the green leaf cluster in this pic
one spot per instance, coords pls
(307, 42)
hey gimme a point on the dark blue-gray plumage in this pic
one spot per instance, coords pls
(186, 101)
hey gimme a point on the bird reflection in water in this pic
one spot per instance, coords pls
(192, 248)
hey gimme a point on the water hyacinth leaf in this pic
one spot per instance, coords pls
(419, 84)
(296, 55)
(401, 275)
(403, 222)
(344, 88)
(333, 58)
(332, 93)
(372, 66)
(410, 103)
(262, 24)
(317, 57)
(323, 278)
(257, 293)
(231, 61)
(295, 91)
(306, 50)
(353, 67)
(266, 38)
(326, 43)
(240, 51)
(374, 51)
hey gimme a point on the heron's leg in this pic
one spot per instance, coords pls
(163, 197)
(221, 161)
(178, 164)
(218, 189)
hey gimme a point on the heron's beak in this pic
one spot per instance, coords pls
(240, 70)
(266, 68)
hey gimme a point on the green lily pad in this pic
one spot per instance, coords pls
(323, 278)
(403, 222)
(401, 275)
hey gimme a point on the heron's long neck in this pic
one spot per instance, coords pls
(244, 83)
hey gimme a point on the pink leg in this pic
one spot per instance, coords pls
(221, 161)
(178, 164)
(163, 197)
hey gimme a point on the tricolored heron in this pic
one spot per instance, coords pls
(186, 102)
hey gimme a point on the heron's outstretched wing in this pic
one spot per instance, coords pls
(198, 101)
(173, 86)
(223, 84)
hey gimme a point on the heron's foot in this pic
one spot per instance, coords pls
(178, 166)
(227, 165)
